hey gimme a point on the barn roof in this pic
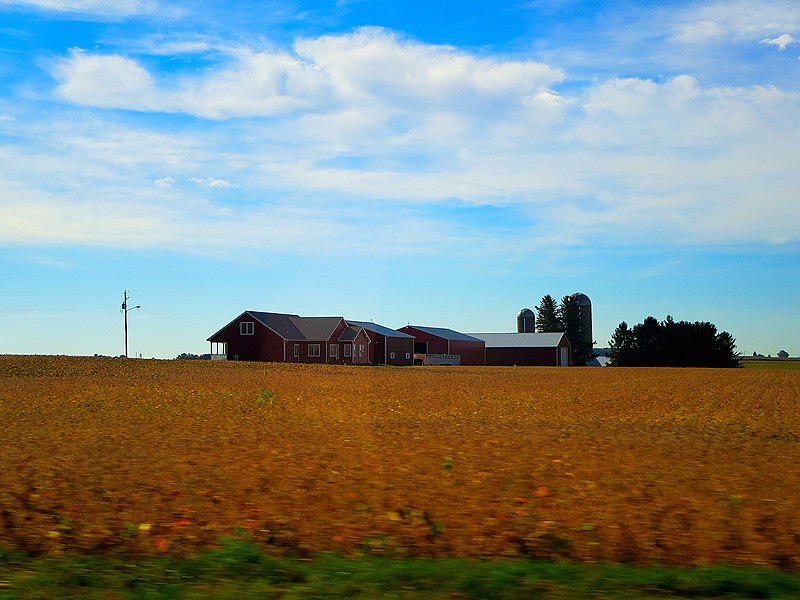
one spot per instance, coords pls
(317, 328)
(374, 327)
(520, 340)
(295, 327)
(292, 327)
(447, 334)
(349, 334)
(282, 324)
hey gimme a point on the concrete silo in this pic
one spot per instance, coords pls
(526, 321)
(585, 309)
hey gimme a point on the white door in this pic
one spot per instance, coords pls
(564, 362)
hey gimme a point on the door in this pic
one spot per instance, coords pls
(564, 362)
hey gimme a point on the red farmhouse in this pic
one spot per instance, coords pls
(278, 337)
(438, 340)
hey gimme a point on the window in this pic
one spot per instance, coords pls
(408, 355)
(391, 355)
(246, 328)
(297, 350)
(313, 349)
(361, 348)
(348, 349)
(334, 351)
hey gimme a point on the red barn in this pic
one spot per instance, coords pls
(278, 337)
(438, 340)
(527, 349)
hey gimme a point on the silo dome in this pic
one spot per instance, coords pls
(582, 299)
(526, 321)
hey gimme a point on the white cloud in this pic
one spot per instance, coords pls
(213, 183)
(370, 67)
(781, 42)
(110, 81)
(164, 182)
(373, 65)
(7, 118)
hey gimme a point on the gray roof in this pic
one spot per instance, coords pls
(349, 334)
(374, 327)
(317, 328)
(520, 340)
(280, 323)
(447, 334)
(294, 327)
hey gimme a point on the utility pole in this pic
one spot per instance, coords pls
(125, 310)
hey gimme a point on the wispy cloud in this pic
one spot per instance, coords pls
(98, 7)
(211, 182)
(164, 182)
(739, 20)
(781, 42)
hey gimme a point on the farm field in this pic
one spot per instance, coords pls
(683, 467)
(771, 363)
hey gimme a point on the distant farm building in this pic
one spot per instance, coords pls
(279, 337)
(526, 349)
(430, 341)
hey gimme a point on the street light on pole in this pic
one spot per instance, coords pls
(125, 310)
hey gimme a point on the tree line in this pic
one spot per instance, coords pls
(565, 317)
(672, 344)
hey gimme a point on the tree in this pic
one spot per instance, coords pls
(547, 320)
(621, 349)
(672, 344)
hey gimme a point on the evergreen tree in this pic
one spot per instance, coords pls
(621, 349)
(672, 344)
(547, 320)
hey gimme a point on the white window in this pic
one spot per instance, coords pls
(391, 355)
(297, 350)
(334, 351)
(361, 348)
(408, 355)
(246, 328)
(348, 350)
(313, 349)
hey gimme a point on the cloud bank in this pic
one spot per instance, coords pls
(369, 67)
(368, 129)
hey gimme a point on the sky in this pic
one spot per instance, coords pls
(434, 163)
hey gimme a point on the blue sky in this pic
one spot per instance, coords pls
(441, 164)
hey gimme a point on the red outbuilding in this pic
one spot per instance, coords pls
(442, 341)
(527, 349)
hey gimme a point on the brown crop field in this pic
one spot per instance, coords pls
(677, 466)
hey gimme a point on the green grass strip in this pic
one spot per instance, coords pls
(241, 570)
